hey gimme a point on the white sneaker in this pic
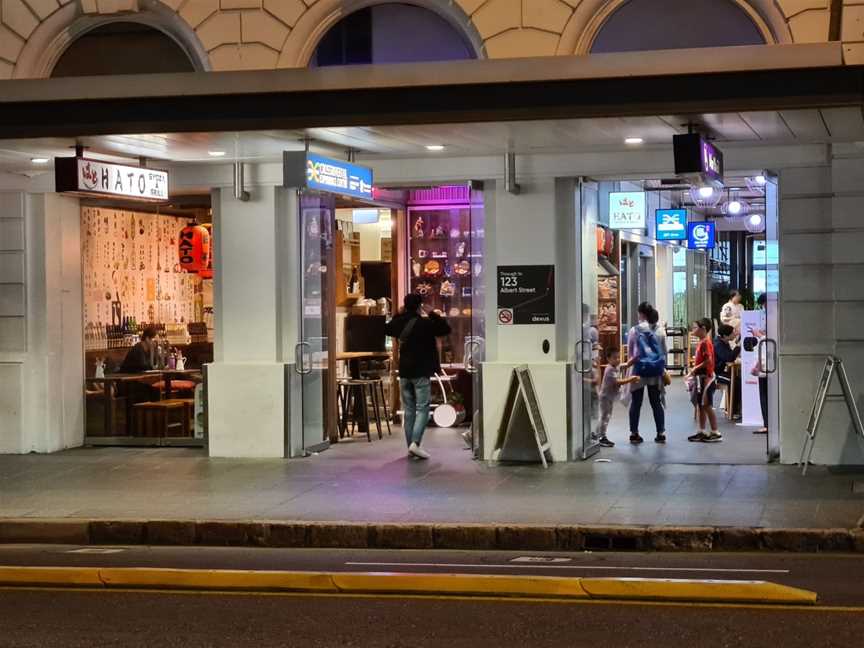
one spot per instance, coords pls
(468, 438)
(417, 451)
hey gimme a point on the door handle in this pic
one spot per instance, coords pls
(299, 362)
(770, 367)
(580, 355)
(470, 347)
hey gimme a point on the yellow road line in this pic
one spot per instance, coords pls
(521, 586)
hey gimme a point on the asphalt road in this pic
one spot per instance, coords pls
(71, 618)
(837, 578)
(63, 619)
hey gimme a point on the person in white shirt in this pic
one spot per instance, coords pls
(731, 313)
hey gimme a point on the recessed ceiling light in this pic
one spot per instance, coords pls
(216, 153)
(38, 160)
(434, 147)
(633, 141)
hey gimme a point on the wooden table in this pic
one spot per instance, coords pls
(111, 382)
(353, 359)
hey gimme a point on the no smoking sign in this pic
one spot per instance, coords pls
(505, 316)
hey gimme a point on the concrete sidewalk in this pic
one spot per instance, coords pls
(375, 483)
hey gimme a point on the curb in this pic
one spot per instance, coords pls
(606, 589)
(350, 535)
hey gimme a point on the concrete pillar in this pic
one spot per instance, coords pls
(822, 299)
(521, 230)
(41, 332)
(255, 300)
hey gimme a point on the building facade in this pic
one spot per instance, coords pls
(819, 176)
(221, 35)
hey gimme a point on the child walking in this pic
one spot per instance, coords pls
(704, 383)
(610, 387)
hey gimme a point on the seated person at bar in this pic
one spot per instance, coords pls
(140, 357)
(726, 355)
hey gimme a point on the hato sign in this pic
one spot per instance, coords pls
(627, 210)
(96, 178)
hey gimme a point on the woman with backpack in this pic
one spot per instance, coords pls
(646, 351)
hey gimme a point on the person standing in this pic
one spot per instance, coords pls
(609, 390)
(732, 312)
(703, 379)
(761, 365)
(646, 350)
(416, 328)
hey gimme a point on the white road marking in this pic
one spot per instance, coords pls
(583, 567)
(540, 559)
(95, 550)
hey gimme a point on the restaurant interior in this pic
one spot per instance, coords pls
(151, 266)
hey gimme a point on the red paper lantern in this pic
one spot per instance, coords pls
(207, 273)
(194, 248)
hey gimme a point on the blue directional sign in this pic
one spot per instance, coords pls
(311, 171)
(671, 224)
(701, 235)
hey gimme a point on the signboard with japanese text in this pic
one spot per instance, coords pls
(526, 295)
(627, 210)
(304, 170)
(86, 177)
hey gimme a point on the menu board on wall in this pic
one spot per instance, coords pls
(131, 268)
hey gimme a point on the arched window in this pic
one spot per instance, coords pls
(640, 25)
(391, 33)
(122, 48)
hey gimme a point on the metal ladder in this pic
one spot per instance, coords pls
(833, 365)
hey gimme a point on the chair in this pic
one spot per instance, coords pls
(377, 381)
(354, 396)
(160, 419)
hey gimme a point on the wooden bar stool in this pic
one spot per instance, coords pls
(354, 397)
(160, 419)
(189, 412)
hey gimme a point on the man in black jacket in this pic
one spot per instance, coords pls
(140, 357)
(416, 329)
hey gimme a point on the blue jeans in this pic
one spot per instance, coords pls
(416, 393)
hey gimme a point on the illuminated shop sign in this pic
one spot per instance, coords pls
(696, 156)
(701, 236)
(627, 210)
(95, 178)
(309, 171)
(671, 224)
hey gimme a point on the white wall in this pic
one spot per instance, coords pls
(255, 307)
(821, 264)
(42, 356)
(663, 282)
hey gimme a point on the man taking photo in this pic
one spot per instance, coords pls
(416, 328)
